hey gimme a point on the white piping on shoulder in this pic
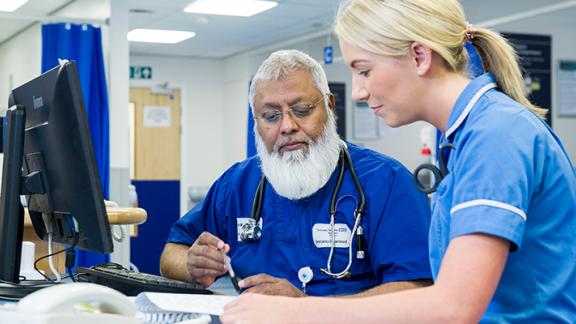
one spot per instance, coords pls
(491, 203)
(468, 107)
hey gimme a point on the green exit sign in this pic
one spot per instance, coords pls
(141, 72)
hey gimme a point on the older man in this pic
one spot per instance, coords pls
(310, 214)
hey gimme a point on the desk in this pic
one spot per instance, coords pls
(116, 216)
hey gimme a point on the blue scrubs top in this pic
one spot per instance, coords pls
(510, 177)
(396, 223)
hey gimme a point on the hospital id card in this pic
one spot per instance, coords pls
(322, 235)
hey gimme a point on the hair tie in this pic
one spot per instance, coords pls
(469, 32)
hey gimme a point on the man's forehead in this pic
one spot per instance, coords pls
(283, 90)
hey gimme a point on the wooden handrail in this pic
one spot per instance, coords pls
(116, 216)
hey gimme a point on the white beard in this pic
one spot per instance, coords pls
(295, 174)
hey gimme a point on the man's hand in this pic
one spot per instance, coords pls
(204, 259)
(267, 285)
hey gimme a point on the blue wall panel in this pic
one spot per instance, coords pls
(161, 200)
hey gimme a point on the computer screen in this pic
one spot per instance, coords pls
(49, 158)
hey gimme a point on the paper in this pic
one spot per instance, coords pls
(157, 116)
(369, 126)
(365, 123)
(203, 304)
(567, 88)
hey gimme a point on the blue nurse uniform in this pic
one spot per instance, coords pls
(511, 178)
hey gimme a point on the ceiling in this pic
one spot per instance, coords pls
(223, 36)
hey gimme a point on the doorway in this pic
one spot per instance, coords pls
(155, 134)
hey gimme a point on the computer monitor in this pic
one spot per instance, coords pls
(49, 158)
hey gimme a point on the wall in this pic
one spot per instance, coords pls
(19, 62)
(204, 124)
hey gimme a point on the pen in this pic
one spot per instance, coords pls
(231, 272)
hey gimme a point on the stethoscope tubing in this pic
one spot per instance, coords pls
(344, 160)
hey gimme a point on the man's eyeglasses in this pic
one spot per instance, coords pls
(299, 111)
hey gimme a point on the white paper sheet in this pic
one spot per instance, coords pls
(203, 304)
(567, 89)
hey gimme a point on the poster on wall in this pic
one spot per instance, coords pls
(365, 123)
(339, 91)
(368, 126)
(535, 55)
(567, 88)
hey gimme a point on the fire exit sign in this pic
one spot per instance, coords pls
(141, 72)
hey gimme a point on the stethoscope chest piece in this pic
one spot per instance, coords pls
(250, 232)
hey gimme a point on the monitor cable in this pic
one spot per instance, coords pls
(118, 237)
(70, 255)
(50, 232)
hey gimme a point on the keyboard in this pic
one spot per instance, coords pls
(132, 283)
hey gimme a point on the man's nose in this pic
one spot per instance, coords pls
(287, 124)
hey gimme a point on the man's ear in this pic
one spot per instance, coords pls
(331, 102)
(422, 57)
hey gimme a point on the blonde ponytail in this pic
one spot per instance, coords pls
(501, 60)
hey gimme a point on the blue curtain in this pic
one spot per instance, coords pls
(250, 144)
(83, 44)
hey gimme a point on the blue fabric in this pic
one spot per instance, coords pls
(475, 66)
(250, 143)
(83, 44)
(396, 225)
(510, 177)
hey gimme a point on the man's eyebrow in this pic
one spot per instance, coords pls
(276, 105)
(295, 101)
(271, 105)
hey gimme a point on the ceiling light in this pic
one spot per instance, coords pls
(244, 8)
(158, 36)
(11, 5)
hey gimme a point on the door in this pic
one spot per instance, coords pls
(155, 164)
(156, 134)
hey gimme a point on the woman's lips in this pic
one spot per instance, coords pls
(377, 109)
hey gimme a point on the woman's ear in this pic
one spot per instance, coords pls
(422, 58)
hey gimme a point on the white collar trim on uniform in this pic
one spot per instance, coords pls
(468, 108)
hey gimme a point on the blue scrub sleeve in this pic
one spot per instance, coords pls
(398, 242)
(493, 170)
(206, 216)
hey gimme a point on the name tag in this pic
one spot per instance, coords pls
(322, 235)
(245, 224)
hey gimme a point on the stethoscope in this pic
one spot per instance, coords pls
(439, 173)
(252, 231)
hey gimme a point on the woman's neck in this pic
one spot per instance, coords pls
(445, 89)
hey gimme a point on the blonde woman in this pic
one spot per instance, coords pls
(502, 240)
